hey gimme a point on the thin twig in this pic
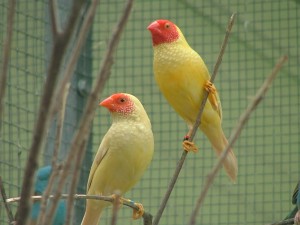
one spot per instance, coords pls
(284, 222)
(6, 53)
(72, 190)
(84, 126)
(59, 124)
(4, 198)
(237, 131)
(83, 32)
(195, 127)
(68, 72)
(116, 206)
(46, 194)
(55, 165)
(147, 218)
(53, 17)
(60, 44)
(76, 196)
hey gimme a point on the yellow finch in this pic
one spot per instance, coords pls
(182, 78)
(124, 153)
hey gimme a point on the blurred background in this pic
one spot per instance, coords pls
(267, 150)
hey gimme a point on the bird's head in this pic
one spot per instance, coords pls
(163, 31)
(123, 105)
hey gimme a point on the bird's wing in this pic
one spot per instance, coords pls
(102, 151)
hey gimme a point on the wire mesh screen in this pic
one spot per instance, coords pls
(267, 150)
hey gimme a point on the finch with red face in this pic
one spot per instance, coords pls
(124, 153)
(182, 78)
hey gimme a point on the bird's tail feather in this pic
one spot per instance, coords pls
(230, 162)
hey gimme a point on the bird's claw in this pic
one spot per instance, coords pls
(189, 146)
(211, 89)
(138, 213)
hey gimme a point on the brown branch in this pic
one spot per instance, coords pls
(82, 34)
(53, 18)
(84, 126)
(116, 206)
(237, 131)
(76, 174)
(195, 127)
(6, 54)
(6, 205)
(147, 216)
(55, 166)
(60, 44)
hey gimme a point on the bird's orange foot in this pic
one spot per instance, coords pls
(137, 213)
(188, 145)
(211, 89)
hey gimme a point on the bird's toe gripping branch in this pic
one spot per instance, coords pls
(212, 90)
(137, 213)
(189, 146)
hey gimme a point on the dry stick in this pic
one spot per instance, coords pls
(146, 216)
(76, 174)
(116, 206)
(53, 18)
(237, 131)
(6, 54)
(85, 123)
(55, 166)
(82, 34)
(78, 196)
(88, 19)
(4, 198)
(195, 127)
(60, 44)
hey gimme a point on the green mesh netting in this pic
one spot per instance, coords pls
(267, 150)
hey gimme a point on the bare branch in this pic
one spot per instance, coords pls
(60, 44)
(55, 166)
(81, 196)
(53, 18)
(4, 198)
(84, 126)
(82, 34)
(73, 186)
(237, 131)
(116, 205)
(6, 53)
(195, 127)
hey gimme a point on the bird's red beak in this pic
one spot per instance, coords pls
(107, 103)
(153, 26)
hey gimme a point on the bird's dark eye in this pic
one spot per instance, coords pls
(122, 100)
(167, 25)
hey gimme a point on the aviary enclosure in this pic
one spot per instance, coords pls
(267, 149)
